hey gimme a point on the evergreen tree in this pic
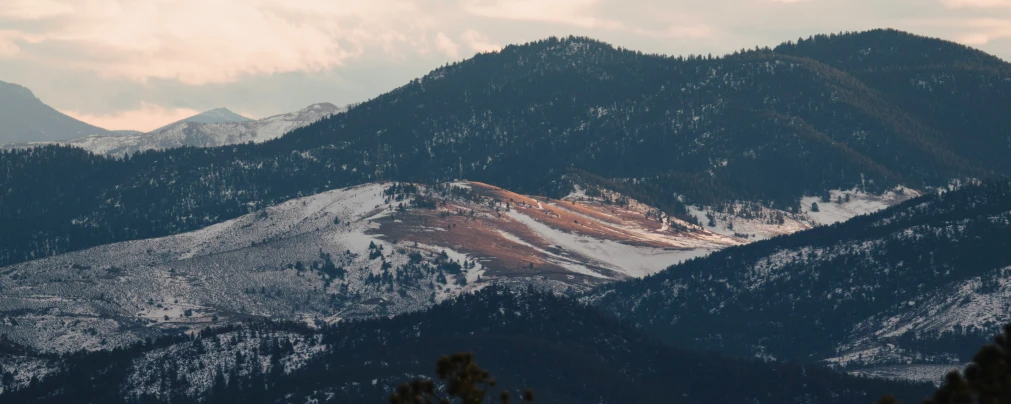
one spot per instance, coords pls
(987, 379)
(464, 380)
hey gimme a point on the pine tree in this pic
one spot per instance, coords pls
(464, 380)
(987, 379)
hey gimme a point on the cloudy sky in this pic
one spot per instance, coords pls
(138, 64)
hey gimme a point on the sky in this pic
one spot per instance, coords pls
(139, 64)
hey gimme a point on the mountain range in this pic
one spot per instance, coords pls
(772, 225)
(216, 127)
(760, 127)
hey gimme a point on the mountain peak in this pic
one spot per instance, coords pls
(320, 109)
(569, 45)
(322, 105)
(216, 115)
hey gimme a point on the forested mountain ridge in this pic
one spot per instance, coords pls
(917, 283)
(938, 82)
(757, 126)
(889, 49)
(526, 339)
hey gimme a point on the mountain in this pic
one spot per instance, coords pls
(917, 284)
(26, 119)
(217, 115)
(526, 339)
(759, 128)
(217, 127)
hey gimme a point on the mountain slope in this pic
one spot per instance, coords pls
(551, 345)
(26, 119)
(919, 283)
(760, 127)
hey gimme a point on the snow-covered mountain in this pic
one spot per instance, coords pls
(25, 118)
(217, 127)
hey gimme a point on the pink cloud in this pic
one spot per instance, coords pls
(34, 9)
(579, 13)
(8, 48)
(976, 3)
(982, 31)
(447, 46)
(217, 41)
(479, 42)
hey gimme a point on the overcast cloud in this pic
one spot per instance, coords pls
(138, 64)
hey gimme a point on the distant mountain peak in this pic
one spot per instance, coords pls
(216, 127)
(320, 108)
(321, 105)
(216, 115)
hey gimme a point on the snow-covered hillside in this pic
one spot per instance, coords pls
(842, 205)
(239, 353)
(21, 370)
(752, 221)
(210, 129)
(370, 250)
(307, 258)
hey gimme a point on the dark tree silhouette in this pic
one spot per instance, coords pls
(987, 379)
(464, 380)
